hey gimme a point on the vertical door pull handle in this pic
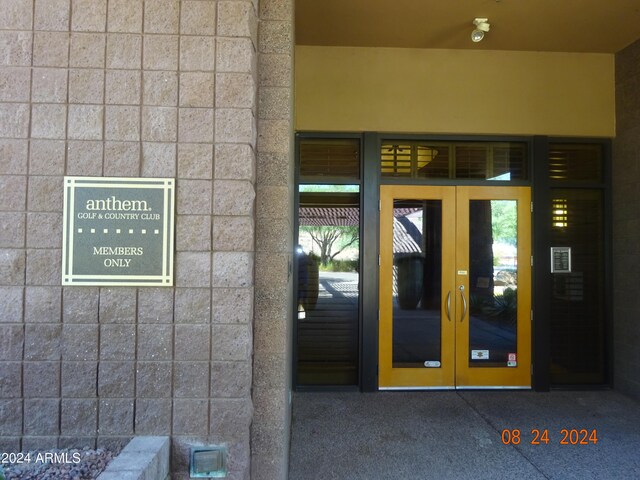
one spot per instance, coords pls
(449, 305)
(464, 302)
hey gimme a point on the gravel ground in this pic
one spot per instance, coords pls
(58, 464)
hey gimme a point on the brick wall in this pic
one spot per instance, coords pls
(160, 88)
(626, 221)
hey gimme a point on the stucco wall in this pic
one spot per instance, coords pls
(626, 221)
(454, 91)
(160, 88)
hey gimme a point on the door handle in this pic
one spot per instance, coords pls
(464, 302)
(449, 305)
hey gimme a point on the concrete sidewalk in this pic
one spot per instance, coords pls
(457, 435)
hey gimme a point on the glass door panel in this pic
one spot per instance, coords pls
(493, 283)
(417, 266)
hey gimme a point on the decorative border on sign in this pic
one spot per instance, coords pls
(71, 184)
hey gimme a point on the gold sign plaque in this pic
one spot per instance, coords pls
(118, 231)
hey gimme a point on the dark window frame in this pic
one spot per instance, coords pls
(538, 179)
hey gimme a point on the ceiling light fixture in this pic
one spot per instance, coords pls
(482, 26)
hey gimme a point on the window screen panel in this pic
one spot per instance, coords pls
(510, 162)
(503, 161)
(576, 162)
(471, 161)
(396, 160)
(331, 158)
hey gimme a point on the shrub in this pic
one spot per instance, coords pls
(341, 266)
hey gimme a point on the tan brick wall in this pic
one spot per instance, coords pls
(154, 88)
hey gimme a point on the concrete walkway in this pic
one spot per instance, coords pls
(457, 435)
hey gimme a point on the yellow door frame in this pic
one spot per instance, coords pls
(454, 371)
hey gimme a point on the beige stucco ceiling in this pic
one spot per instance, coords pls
(599, 26)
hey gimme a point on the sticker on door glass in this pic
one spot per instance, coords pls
(479, 354)
(512, 360)
(432, 364)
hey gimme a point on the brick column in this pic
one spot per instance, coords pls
(626, 221)
(274, 214)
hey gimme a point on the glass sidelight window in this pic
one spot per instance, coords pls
(577, 296)
(327, 329)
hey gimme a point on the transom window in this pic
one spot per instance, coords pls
(460, 160)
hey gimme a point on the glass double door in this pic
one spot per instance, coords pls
(455, 287)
